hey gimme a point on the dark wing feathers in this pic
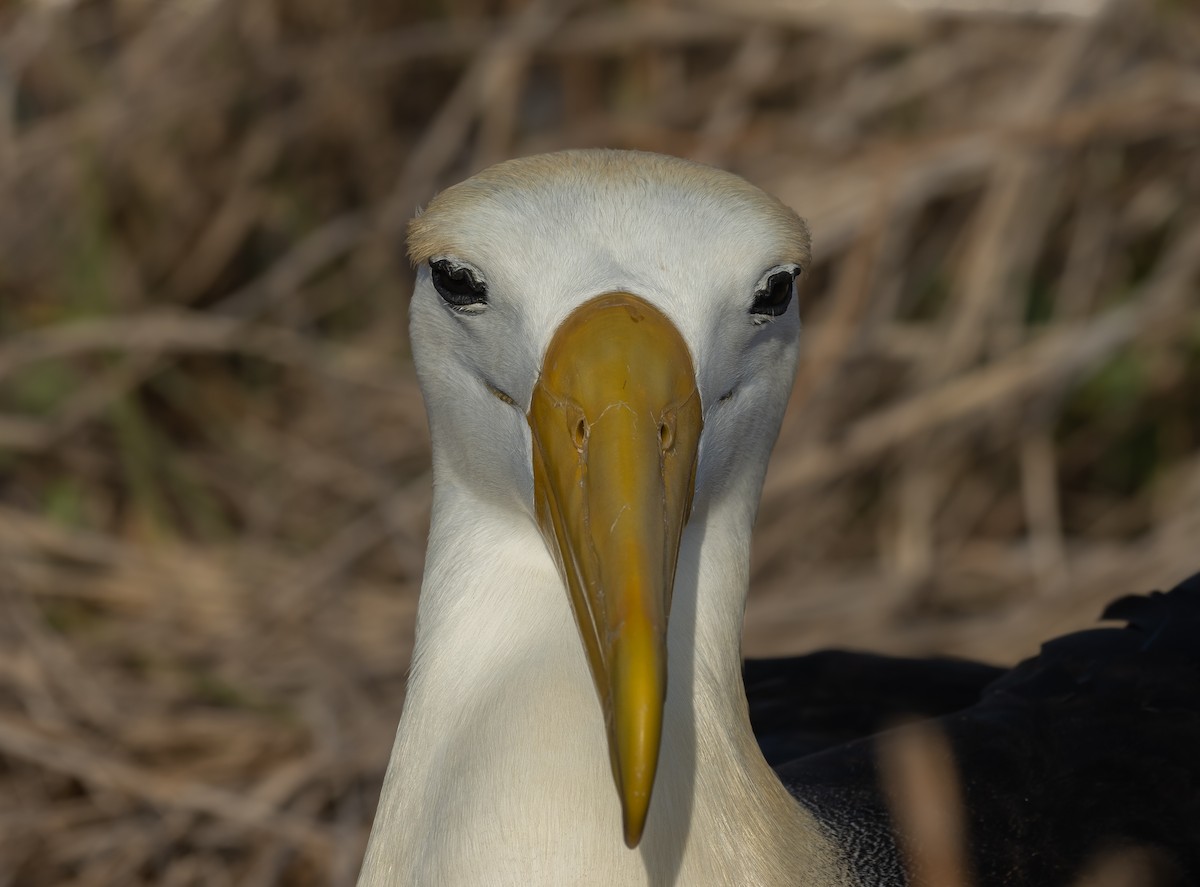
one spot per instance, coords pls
(1090, 748)
(805, 704)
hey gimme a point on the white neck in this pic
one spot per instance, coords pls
(500, 773)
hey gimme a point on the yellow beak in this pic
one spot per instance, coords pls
(616, 423)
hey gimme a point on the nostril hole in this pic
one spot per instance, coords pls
(666, 433)
(580, 434)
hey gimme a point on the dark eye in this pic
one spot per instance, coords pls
(456, 284)
(774, 298)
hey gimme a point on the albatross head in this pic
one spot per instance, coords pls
(624, 325)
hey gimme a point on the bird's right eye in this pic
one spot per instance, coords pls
(457, 284)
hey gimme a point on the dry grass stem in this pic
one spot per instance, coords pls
(925, 798)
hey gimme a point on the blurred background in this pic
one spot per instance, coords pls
(214, 469)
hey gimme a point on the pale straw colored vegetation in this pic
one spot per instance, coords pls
(213, 464)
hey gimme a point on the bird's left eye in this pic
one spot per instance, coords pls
(773, 299)
(456, 284)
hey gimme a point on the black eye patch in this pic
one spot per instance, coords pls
(456, 284)
(775, 296)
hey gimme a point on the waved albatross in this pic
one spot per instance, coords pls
(606, 342)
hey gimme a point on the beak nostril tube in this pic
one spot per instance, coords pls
(666, 432)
